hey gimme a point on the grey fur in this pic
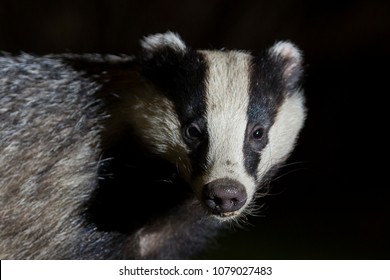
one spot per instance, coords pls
(49, 148)
(51, 127)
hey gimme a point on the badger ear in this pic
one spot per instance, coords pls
(289, 58)
(157, 44)
(162, 58)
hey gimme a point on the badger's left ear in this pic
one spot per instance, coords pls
(158, 44)
(287, 56)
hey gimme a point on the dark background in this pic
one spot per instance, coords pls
(330, 203)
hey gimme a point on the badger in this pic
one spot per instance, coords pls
(140, 157)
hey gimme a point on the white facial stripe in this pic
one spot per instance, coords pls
(283, 133)
(227, 104)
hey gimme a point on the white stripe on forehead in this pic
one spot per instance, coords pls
(227, 99)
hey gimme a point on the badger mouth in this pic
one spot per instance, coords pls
(229, 214)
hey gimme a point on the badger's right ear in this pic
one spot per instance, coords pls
(162, 44)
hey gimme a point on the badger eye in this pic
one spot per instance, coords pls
(258, 133)
(192, 132)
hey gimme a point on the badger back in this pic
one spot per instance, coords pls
(49, 149)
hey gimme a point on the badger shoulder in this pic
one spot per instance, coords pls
(49, 127)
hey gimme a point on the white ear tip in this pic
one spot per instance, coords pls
(169, 39)
(286, 49)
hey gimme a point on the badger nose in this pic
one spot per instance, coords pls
(223, 196)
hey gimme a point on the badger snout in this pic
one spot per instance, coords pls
(224, 196)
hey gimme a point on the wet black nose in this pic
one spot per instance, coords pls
(222, 196)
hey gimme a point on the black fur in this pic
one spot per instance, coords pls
(182, 77)
(95, 209)
(134, 181)
(268, 89)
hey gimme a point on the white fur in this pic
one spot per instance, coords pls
(227, 102)
(157, 41)
(289, 52)
(283, 133)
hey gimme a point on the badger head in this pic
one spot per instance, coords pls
(226, 119)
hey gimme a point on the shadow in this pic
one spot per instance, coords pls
(134, 187)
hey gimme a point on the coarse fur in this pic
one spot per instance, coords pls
(108, 157)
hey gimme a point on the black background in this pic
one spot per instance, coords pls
(330, 202)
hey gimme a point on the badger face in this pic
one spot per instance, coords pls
(226, 119)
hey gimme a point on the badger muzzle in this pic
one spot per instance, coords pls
(224, 197)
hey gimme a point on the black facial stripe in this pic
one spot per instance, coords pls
(182, 77)
(252, 152)
(266, 95)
